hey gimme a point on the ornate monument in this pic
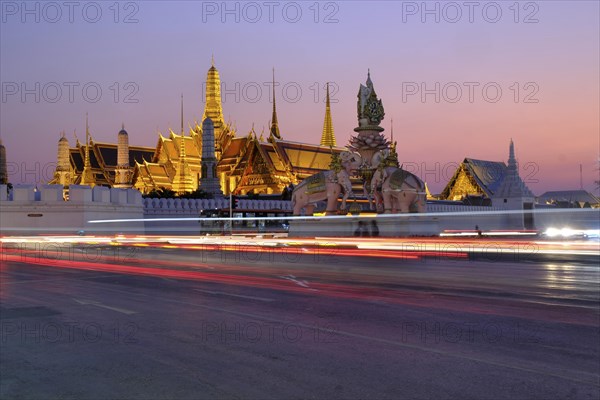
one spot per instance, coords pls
(63, 173)
(123, 170)
(209, 181)
(372, 158)
(87, 176)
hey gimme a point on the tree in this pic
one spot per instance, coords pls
(161, 193)
(285, 194)
(197, 194)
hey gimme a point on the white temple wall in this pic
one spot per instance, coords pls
(27, 211)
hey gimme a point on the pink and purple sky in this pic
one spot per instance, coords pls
(458, 79)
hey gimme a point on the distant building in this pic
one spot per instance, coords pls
(479, 182)
(486, 179)
(569, 199)
(474, 178)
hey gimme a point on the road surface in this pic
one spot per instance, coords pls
(92, 321)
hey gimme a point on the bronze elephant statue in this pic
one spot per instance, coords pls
(400, 190)
(326, 185)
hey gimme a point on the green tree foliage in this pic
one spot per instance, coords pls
(164, 193)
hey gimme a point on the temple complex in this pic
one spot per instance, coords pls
(242, 164)
(249, 163)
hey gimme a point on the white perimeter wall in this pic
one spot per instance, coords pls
(27, 211)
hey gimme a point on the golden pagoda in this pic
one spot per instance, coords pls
(274, 124)
(182, 182)
(87, 176)
(327, 137)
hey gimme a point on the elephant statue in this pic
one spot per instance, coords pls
(400, 190)
(326, 185)
(374, 196)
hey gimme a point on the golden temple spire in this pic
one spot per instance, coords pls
(182, 114)
(87, 177)
(182, 182)
(328, 137)
(212, 106)
(274, 125)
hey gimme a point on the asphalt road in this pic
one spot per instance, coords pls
(249, 325)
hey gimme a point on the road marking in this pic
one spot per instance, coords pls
(296, 281)
(98, 304)
(234, 295)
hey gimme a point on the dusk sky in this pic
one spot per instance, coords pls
(500, 70)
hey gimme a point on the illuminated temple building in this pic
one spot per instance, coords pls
(245, 164)
(487, 180)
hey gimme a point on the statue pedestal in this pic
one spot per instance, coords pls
(368, 128)
(368, 142)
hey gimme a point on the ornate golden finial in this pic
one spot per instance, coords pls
(212, 60)
(87, 135)
(87, 177)
(213, 108)
(328, 137)
(274, 124)
(182, 133)
(182, 181)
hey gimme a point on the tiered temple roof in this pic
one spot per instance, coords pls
(487, 179)
(103, 160)
(474, 177)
